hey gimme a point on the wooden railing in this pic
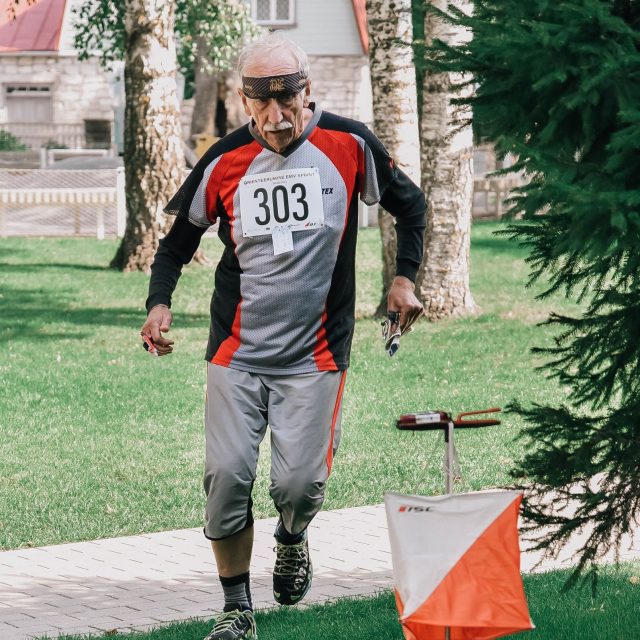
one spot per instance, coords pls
(489, 195)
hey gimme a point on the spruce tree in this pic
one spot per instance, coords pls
(558, 85)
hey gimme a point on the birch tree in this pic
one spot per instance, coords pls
(447, 179)
(395, 111)
(153, 156)
(142, 32)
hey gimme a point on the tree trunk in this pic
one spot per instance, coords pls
(153, 156)
(206, 94)
(447, 180)
(395, 111)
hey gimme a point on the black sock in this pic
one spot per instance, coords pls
(237, 594)
(284, 537)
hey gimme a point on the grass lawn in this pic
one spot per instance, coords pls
(612, 614)
(97, 439)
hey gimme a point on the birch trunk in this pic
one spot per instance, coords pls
(395, 111)
(447, 180)
(153, 156)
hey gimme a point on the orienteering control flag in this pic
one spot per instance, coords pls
(456, 563)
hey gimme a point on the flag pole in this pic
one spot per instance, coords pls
(448, 463)
(448, 458)
(432, 420)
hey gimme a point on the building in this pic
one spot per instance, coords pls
(50, 98)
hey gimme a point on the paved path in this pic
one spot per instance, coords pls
(141, 582)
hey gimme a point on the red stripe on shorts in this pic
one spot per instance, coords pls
(334, 419)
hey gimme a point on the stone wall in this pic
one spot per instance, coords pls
(79, 90)
(342, 85)
(82, 90)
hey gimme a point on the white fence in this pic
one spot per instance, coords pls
(48, 156)
(56, 202)
(34, 202)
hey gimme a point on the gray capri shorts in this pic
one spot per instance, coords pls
(303, 412)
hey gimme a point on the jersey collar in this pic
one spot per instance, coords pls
(317, 112)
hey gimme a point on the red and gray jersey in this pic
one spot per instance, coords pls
(289, 312)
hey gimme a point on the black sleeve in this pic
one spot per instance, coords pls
(387, 184)
(176, 249)
(180, 203)
(405, 201)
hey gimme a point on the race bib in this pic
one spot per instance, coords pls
(290, 200)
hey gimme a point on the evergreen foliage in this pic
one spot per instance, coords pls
(558, 85)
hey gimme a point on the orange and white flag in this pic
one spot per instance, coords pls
(456, 564)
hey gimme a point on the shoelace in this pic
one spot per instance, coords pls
(289, 558)
(226, 620)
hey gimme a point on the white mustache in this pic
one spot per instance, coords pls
(280, 126)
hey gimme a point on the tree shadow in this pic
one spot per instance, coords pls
(6, 252)
(30, 267)
(35, 314)
(500, 245)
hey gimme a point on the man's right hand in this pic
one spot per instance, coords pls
(158, 321)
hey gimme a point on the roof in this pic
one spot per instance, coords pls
(36, 26)
(360, 10)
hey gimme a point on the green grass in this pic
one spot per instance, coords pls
(613, 613)
(97, 439)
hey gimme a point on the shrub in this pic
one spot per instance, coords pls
(8, 142)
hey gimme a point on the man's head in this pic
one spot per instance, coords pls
(275, 88)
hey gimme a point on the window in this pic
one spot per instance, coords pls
(29, 103)
(97, 134)
(272, 12)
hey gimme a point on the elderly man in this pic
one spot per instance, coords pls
(284, 190)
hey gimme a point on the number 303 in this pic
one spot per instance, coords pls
(278, 203)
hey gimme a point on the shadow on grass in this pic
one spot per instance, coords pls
(500, 245)
(36, 314)
(5, 252)
(30, 267)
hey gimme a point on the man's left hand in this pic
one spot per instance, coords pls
(402, 299)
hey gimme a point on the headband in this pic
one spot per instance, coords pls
(273, 86)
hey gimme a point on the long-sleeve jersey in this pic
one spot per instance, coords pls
(284, 294)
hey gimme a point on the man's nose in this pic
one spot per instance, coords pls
(274, 112)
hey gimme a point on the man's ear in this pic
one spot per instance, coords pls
(307, 94)
(245, 104)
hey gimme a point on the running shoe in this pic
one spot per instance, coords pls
(234, 625)
(293, 572)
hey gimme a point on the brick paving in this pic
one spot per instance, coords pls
(141, 582)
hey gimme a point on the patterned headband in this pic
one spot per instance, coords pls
(273, 86)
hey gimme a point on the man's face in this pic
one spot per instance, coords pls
(280, 120)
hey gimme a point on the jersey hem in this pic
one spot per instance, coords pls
(283, 371)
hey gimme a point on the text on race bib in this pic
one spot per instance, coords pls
(290, 199)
